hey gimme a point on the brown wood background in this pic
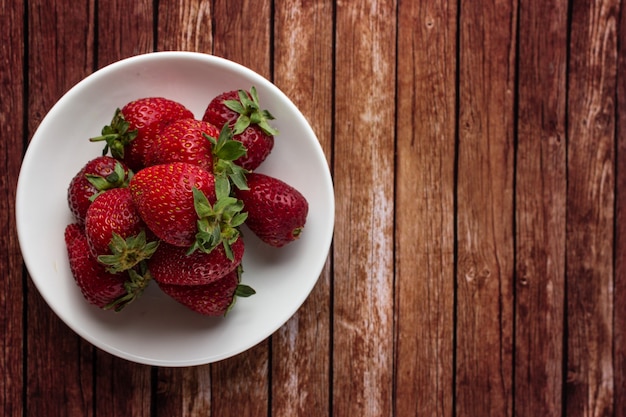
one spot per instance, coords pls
(477, 149)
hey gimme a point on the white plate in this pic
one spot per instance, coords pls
(155, 330)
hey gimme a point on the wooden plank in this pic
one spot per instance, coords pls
(12, 31)
(303, 70)
(484, 315)
(59, 370)
(590, 208)
(619, 313)
(540, 208)
(362, 323)
(124, 29)
(242, 31)
(122, 388)
(185, 26)
(115, 42)
(427, 44)
(240, 385)
(183, 392)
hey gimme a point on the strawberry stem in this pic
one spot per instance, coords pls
(117, 179)
(116, 135)
(225, 151)
(218, 223)
(242, 290)
(250, 113)
(126, 253)
(134, 286)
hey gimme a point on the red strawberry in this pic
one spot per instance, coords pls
(163, 194)
(134, 127)
(99, 174)
(181, 204)
(183, 140)
(99, 287)
(172, 265)
(241, 111)
(214, 299)
(276, 211)
(115, 231)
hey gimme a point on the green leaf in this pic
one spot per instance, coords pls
(126, 253)
(228, 250)
(116, 135)
(116, 179)
(241, 124)
(225, 150)
(238, 178)
(235, 106)
(239, 219)
(201, 203)
(244, 291)
(249, 109)
(232, 150)
(222, 187)
(138, 281)
(217, 223)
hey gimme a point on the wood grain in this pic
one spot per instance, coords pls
(590, 209)
(242, 33)
(60, 54)
(477, 150)
(364, 117)
(132, 398)
(12, 31)
(185, 26)
(425, 168)
(184, 392)
(619, 325)
(540, 208)
(484, 312)
(303, 59)
(129, 34)
(240, 385)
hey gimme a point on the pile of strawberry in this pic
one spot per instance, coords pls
(167, 199)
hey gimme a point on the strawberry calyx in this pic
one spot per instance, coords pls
(297, 232)
(126, 253)
(116, 135)
(218, 223)
(241, 290)
(250, 112)
(116, 179)
(244, 291)
(134, 286)
(225, 151)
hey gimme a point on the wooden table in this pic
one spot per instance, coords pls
(477, 150)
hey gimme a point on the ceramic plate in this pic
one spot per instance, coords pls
(155, 330)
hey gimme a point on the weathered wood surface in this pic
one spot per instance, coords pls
(477, 152)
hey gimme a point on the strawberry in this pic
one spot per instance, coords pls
(115, 232)
(133, 128)
(163, 195)
(100, 287)
(184, 205)
(242, 112)
(214, 299)
(183, 140)
(172, 265)
(276, 211)
(99, 174)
